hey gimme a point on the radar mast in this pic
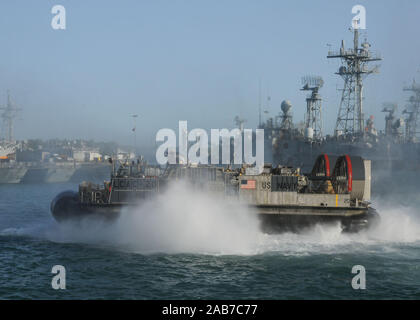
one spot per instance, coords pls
(350, 119)
(9, 114)
(313, 117)
(412, 111)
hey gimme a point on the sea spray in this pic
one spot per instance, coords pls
(182, 219)
(398, 224)
(186, 220)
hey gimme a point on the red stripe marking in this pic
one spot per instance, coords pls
(349, 173)
(327, 165)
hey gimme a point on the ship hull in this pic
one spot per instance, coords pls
(302, 154)
(274, 219)
(48, 175)
(298, 219)
(12, 175)
(65, 173)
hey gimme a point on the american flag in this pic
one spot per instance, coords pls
(247, 184)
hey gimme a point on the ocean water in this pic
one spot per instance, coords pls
(188, 245)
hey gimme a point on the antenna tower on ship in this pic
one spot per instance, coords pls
(9, 115)
(313, 117)
(354, 68)
(412, 111)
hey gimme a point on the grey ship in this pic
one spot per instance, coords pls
(396, 148)
(38, 172)
(15, 168)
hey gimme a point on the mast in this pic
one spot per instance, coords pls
(413, 112)
(313, 118)
(259, 104)
(350, 119)
(9, 114)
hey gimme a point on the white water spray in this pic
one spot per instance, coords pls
(185, 220)
(179, 220)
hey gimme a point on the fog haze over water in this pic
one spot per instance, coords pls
(199, 61)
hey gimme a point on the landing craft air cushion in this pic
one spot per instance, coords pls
(336, 191)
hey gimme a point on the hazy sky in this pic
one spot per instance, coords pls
(198, 60)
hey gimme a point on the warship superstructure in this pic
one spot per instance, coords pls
(394, 148)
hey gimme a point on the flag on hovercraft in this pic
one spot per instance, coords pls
(247, 184)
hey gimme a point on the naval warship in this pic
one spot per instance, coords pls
(336, 191)
(18, 169)
(395, 148)
(12, 171)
